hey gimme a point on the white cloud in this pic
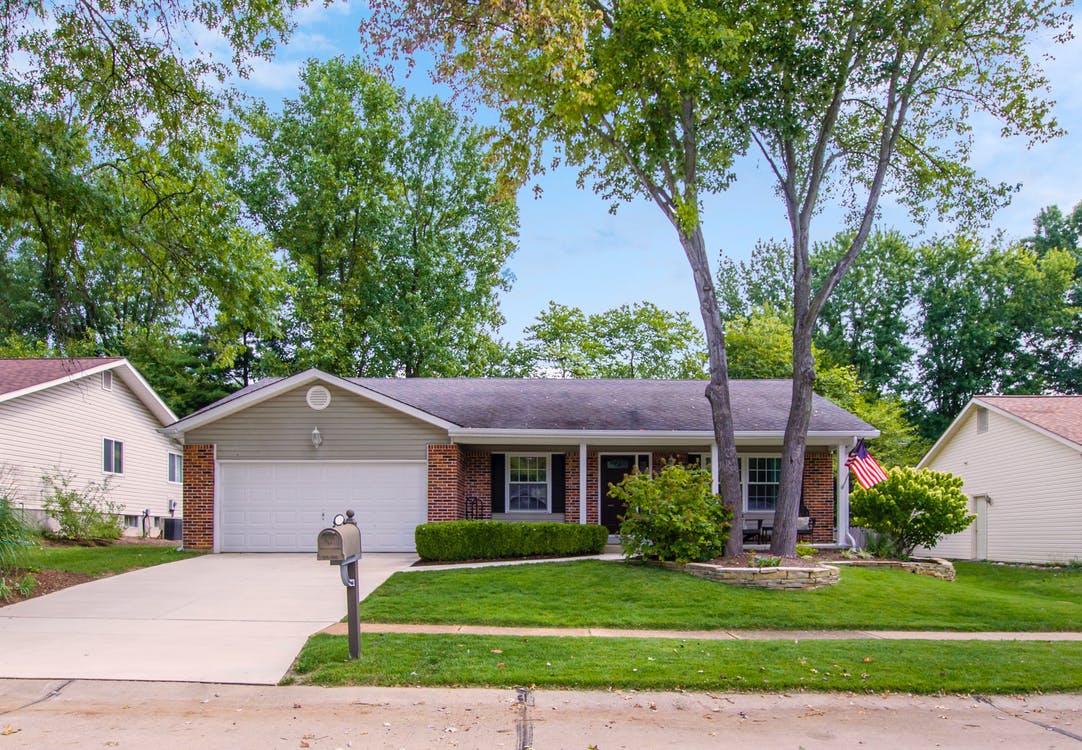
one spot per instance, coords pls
(318, 12)
(273, 76)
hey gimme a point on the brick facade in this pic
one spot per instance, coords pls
(571, 485)
(198, 497)
(446, 483)
(455, 475)
(477, 473)
(818, 494)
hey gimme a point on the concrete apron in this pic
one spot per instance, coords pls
(231, 618)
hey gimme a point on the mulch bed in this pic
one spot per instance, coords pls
(48, 581)
(744, 560)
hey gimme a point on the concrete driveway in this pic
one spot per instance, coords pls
(232, 618)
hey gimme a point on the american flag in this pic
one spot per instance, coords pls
(867, 470)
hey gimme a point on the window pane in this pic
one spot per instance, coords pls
(764, 475)
(527, 485)
(107, 455)
(176, 473)
(118, 457)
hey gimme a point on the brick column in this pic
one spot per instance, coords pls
(593, 500)
(446, 483)
(198, 497)
(819, 494)
(477, 476)
(571, 486)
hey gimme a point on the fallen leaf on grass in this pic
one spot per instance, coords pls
(497, 650)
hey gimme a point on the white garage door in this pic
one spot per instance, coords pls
(280, 507)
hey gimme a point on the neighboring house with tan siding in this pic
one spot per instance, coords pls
(270, 465)
(97, 419)
(1021, 460)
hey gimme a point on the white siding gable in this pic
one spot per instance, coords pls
(64, 427)
(1034, 486)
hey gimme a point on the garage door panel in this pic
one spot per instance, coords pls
(280, 507)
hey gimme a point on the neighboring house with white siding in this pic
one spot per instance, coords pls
(1021, 460)
(98, 420)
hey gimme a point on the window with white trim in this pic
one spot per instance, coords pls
(528, 483)
(762, 478)
(131, 522)
(112, 456)
(176, 468)
(107, 380)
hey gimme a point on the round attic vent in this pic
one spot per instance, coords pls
(318, 397)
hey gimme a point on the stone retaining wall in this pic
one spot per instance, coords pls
(763, 578)
(933, 567)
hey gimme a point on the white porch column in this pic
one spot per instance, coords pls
(714, 482)
(582, 483)
(842, 532)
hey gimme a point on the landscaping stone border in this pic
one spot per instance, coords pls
(763, 578)
(933, 567)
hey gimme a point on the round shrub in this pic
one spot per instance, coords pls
(672, 516)
(912, 508)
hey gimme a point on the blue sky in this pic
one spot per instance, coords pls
(573, 251)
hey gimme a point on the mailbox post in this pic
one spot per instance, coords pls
(341, 545)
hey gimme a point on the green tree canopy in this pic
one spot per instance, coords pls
(991, 321)
(629, 341)
(112, 214)
(387, 213)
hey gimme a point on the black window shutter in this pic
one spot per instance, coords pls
(499, 489)
(559, 483)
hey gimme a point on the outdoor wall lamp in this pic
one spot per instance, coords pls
(317, 439)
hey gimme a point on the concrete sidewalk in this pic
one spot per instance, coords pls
(707, 635)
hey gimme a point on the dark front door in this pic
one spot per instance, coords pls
(613, 471)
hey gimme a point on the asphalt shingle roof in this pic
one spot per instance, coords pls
(1061, 415)
(16, 374)
(564, 404)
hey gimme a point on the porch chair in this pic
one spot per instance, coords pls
(805, 524)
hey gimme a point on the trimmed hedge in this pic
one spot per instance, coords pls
(448, 541)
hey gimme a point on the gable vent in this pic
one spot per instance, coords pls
(318, 397)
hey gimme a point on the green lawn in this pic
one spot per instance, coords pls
(96, 561)
(663, 664)
(613, 594)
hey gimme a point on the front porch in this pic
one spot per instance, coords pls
(548, 483)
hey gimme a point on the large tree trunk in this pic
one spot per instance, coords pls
(787, 509)
(718, 390)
